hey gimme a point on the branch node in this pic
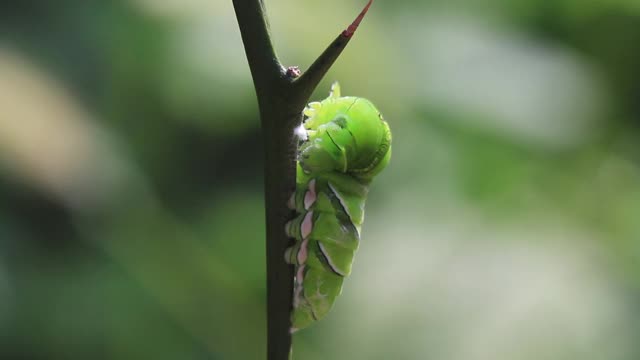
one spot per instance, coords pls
(293, 72)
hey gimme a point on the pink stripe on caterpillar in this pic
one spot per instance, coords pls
(303, 253)
(307, 225)
(310, 196)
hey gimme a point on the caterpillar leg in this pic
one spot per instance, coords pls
(300, 227)
(304, 197)
(291, 203)
(297, 254)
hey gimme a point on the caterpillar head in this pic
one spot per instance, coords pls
(346, 134)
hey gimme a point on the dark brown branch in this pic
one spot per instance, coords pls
(254, 28)
(279, 150)
(281, 100)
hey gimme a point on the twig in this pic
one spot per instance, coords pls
(281, 99)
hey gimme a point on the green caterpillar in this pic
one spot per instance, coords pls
(345, 142)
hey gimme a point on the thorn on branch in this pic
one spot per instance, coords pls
(308, 81)
(354, 25)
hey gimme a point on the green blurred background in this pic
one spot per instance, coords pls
(505, 228)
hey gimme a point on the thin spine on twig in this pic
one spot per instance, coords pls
(310, 79)
(282, 95)
(351, 29)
